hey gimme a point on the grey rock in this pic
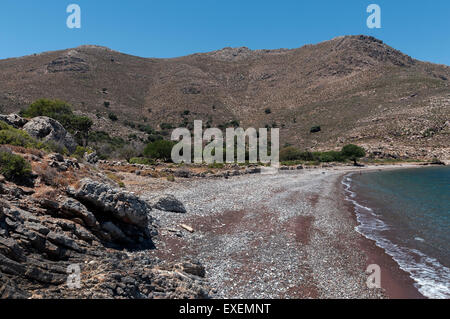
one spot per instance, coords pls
(122, 205)
(72, 206)
(182, 173)
(48, 129)
(57, 157)
(168, 203)
(115, 232)
(13, 120)
(63, 240)
(91, 158)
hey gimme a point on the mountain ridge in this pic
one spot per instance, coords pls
(357, 88)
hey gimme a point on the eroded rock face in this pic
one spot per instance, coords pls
(68, 63)
(42, 238)
(48, 129)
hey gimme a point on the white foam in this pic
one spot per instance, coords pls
(432, 279)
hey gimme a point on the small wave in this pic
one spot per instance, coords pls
(432, 279)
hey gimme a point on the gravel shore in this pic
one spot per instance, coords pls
(288, 235)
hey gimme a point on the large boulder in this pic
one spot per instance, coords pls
(167, 203)
(13, 120)
(123, 206)
(48, 129)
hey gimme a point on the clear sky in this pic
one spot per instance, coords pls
(170, 28)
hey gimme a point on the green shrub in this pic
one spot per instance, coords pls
(289, 153)
(129, 124)
(103, 137)
(216, 165)
(104, 144)
(146, 128)
(154, 137)
(113, 117)
(46, 107)
(353, 152)
(161, 149)
(62, 112)
(13, 166)
(17, 137)
(330, 156)
(315, 129)
(166, 126)
(80, 151)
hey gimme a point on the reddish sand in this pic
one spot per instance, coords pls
(396, 282)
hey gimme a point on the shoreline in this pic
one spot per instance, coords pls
(308, 233)
(396, 282)
(288, 235)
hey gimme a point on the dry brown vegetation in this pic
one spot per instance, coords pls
(358, 89)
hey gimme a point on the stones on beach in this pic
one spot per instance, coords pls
(182, 173)
(167, 203)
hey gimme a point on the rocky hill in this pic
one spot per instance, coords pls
(356, 88)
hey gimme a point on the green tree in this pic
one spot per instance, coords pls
(289, 153)
(161, 149)
(13, 166)
(353, 152)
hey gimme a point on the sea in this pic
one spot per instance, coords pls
(407, 213)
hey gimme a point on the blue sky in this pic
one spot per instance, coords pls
(173, 28)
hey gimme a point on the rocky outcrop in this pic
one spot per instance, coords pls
(42, 239)
(68, 63)
(62, 164)
(91, 158)
(13, 120)
(122, 205)
(48, 129)
(168, 203)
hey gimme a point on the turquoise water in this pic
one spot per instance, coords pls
(407, 213)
